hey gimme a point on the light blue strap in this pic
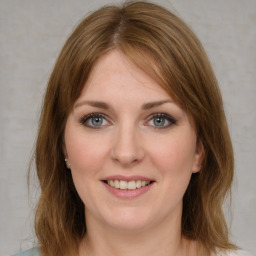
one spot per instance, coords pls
(31, 252)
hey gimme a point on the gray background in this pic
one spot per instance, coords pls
(32, 33)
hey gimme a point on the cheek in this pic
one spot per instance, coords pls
(85, 152)
(86, 155)
(175, 155)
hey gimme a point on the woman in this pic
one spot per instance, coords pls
(133, 152)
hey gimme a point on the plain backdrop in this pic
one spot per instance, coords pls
(32, 33)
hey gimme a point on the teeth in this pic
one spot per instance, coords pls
(138, 183)
(130, 185)
(116, 184)
(123, 184)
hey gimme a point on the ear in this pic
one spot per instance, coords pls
(66, 156)
(199, 157)
(64, 149)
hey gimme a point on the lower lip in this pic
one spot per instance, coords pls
(127, 193)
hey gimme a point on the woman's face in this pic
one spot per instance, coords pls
(131, 148)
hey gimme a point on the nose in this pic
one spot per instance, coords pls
(127, 149)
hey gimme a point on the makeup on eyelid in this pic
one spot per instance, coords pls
(96, 120)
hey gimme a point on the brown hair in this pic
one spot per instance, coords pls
(163, 46)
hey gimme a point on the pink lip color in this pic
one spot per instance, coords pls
(126, 193)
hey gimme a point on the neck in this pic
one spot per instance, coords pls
(161, 240)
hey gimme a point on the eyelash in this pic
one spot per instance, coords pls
(164, 116)
(171, 121)
(87, 118)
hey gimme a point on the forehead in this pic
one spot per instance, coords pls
(115, 76)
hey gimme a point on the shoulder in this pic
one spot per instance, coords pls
(236, 253)
(31, 252)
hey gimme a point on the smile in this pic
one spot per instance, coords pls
(125, 187)
(129, 185)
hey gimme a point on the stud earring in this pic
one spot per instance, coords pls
(67, 164)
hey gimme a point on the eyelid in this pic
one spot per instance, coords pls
(171, 120)
(85, 118)
(168, 117)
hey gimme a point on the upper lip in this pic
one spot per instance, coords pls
(127, 178)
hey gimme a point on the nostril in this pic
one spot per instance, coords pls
(126, 151)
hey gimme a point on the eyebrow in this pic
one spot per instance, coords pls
(97, 104)
(103, 105)
(154, 104)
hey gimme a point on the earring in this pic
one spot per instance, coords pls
(67, 164)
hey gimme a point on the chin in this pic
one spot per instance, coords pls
(129, 220)
(129, 226)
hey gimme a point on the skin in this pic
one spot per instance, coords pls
(128, 142)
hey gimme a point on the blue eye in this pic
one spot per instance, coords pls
(162, 120)
(95, 120)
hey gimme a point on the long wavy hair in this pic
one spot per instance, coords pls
(164, 47)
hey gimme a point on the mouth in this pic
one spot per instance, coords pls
(127, 185)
